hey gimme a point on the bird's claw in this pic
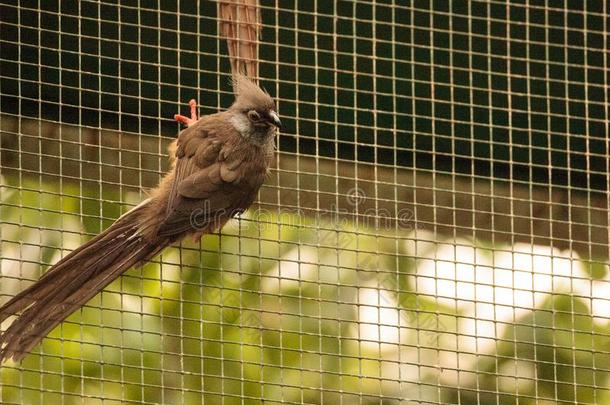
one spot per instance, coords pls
(186, 120)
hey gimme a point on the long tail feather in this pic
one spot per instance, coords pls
(72, 282)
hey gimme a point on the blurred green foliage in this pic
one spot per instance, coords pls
(274, 309)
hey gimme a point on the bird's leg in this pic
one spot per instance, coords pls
(185, 120)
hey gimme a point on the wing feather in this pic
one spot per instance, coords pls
(208, 182)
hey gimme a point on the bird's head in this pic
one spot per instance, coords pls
(254, 109)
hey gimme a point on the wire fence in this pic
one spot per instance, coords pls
(434, 229)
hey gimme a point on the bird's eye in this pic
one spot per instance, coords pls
(253, 115)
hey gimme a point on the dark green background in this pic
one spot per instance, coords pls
(479, 88)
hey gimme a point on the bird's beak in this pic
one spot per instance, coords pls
(275, 119)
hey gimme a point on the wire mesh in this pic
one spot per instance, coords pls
(434, 230)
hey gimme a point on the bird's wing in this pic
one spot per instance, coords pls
(209, 167)
(197, 148)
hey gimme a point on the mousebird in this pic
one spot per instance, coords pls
(221, 161)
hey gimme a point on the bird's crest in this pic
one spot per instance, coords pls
(248, 94)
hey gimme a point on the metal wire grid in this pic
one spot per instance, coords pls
(435, 229)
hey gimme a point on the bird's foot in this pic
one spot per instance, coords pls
(186, 120)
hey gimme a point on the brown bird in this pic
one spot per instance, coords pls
(221, 160)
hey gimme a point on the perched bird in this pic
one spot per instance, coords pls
(221, 161)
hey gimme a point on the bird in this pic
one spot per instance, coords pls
(220, 161)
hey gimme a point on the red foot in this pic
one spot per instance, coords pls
(185, 120)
